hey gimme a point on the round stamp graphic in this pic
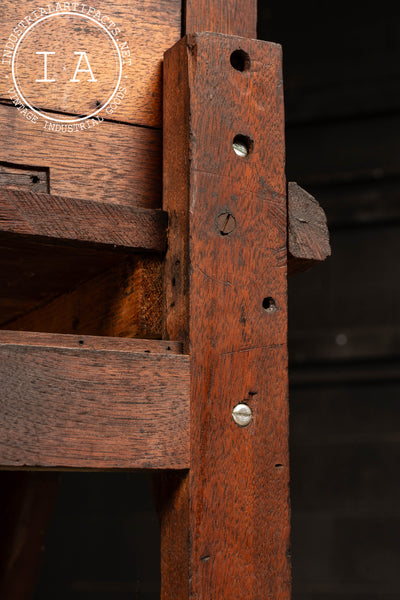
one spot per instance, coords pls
(66, 67)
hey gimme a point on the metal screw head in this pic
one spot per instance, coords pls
(241, 414)
(226, 223)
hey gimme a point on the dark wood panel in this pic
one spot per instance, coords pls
(217, 285)
(60, 218)
(89, 408)
(122, 301)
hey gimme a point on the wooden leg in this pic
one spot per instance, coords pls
(225, 526)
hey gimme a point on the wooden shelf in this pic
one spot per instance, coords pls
(60, 219)
(84, 402)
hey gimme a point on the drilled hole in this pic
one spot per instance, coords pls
(81, 342)
(269, 304)
(240, 60)
(35, 179)
(242, 145)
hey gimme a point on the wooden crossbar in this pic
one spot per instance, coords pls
(89, 402)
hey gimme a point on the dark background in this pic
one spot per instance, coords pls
(342, 81)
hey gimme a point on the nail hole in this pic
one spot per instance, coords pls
(81, 342)
(278, 466)
(269, 304)
(242, 145)
(98, 103)
(205, 558)
(240, 60)
(252, 393)
(35, 179)
(173, 282)
(147, 351)
(169, 348)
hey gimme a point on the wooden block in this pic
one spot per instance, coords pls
(67, 219)
(308, 235)
(147, 29)
(225, 527)
(92, 408)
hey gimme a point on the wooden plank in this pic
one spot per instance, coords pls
(60, 218)
(122, 301)
(237, 17)
(225, 527)
(147, 29)
(92, 408)
(113, 162)
(308, 235)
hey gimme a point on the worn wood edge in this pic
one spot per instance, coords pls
(89, 342)
(87, 408)
(308, 234)
(58, 218)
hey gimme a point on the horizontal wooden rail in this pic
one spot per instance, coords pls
(84, 402)
(69, 219)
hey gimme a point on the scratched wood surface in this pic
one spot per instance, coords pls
(111, 162)
(93, 407)
(69, 219)
(146, 29)
(225, 296)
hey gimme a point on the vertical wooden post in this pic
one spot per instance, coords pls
(225, 525)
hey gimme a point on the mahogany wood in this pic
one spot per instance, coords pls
(308, 235)
(236, 17)
(225, 296)
(60, 218)
(98, 404)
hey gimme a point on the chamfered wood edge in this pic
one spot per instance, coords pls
(57, 218)
(112, 404)
(308, 234)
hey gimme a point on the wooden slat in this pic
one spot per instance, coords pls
(100, 404)
(308, 235)
(113, 162)
(225, 527)
(149, 27)
(236, 17)
(60, 218)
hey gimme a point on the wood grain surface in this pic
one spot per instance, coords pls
(236, 17)
(60, 218)
(79, 405)
(308, 234)
(225, 296)
(122, 301)
(113, 162)
(147, 29)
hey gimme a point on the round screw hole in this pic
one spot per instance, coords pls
(269, 304)
(242, 145)
(35, 179)
(240, 60)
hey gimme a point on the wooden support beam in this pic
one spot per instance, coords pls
(57, 218)
(92, 403)
(308, 234)
(236, 17)
(225, 526)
